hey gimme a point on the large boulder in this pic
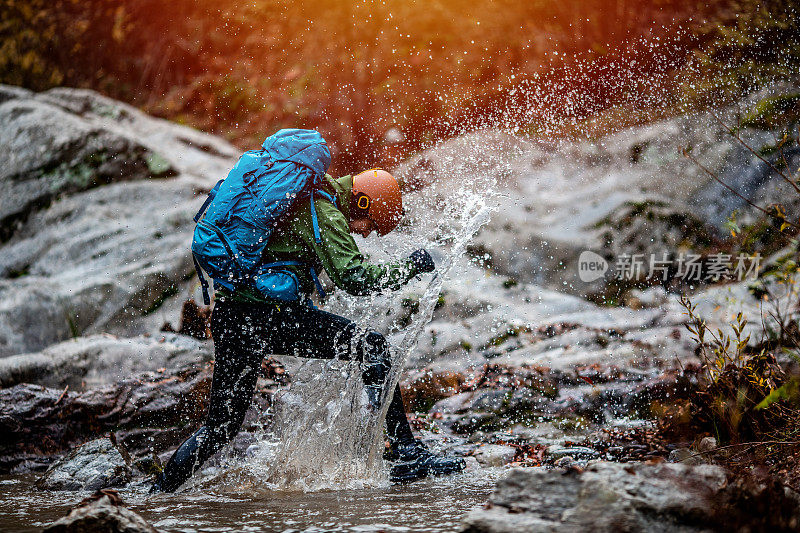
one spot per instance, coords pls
(559, 199)
(633, 497)
(50, 151)
(96, 465)
(98, 360)
(96, 216)
(148, 413)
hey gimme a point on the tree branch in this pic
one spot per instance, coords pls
(734, 191)
(736, 136)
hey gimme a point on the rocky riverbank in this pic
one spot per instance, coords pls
(518, 367)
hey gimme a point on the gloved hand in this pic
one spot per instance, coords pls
(422, 260)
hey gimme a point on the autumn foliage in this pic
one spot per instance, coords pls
(357, 70)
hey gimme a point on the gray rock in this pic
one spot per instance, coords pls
(707, 444)
(458, 403)
(98, 464)
(495, 454)
(554, 196)
(556, 452)
(90, 241)
(652, 297)
(99, 360)
(565, 461)
(685, 456)
(48, 152)
(10, 92)
(610, 497)
(651, 226)
(105, 514)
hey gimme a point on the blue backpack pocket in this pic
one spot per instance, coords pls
(281, 285)
(214, 252)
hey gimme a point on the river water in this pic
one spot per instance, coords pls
(430, 505)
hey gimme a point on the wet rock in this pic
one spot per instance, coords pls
(649, 227)
(97, 211)
(102, 513)
(151, 411)
(570, 401)
(98, 360)
(148, 465)
(96, 465)
(707, 444)
(556, 452)
(652, 297)
(495, 455)
(10, 92)
(685, 456)
(610, 497)
(565, 461)
(554, 197)
(52, 152)
(472, 422)
(458, 403)
(596, 402)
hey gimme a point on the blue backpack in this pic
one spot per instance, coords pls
(242, 210)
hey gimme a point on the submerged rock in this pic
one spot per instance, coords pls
(610, 497)
(102, 513)
(96, 465)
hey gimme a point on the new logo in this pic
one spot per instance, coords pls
(591, 266)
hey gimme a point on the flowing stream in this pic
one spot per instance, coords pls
(425, 506)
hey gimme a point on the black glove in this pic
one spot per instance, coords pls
(422, 260)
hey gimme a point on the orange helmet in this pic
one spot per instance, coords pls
(376, 195)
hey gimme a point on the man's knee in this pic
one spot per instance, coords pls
(375, 349)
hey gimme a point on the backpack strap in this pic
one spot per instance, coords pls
(314, 221)
(279, 264)
(203, 281)
(211, 195)
(317, 284)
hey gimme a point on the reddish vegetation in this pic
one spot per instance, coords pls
(358, 70)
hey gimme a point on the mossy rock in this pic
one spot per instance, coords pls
(158, 165)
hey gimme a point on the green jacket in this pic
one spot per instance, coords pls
(337, 254)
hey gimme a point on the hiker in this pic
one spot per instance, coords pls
(268, 310)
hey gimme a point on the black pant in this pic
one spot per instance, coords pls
(243, 335)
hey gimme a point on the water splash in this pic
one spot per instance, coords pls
(323, 435)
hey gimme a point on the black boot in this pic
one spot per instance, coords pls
(184, 462)
(415, 461)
